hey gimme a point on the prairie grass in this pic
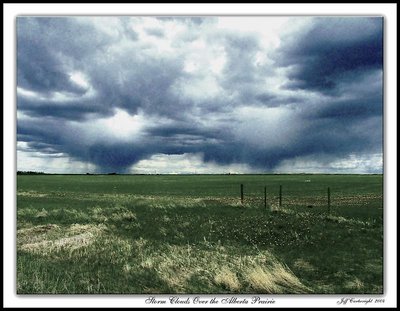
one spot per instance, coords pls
(228, 279)
(74, 237)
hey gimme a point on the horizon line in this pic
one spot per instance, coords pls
(114, 173)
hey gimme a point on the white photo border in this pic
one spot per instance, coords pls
(10, 11)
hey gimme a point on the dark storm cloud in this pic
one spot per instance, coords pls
(357, 108)
(359, 100)
(122, 71)
(76, 109)
(331, 50)
(341, 60)
(134, 82)
(112, 157)
(182, 129)
(49, 48)
(41, 132)
(108, 156)
(268, 99)
(325, 139)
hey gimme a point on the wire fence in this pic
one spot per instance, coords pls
(282, 196)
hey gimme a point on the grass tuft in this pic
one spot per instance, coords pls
(228, 279)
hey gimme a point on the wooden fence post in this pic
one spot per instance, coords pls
(241, 193)
(329, 200)
(265, 197)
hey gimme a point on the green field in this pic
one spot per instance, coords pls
(137, 234)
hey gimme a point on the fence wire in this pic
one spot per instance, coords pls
(307, 195)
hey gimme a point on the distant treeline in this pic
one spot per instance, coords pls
(29, 173)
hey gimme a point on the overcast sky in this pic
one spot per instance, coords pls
(200, 95)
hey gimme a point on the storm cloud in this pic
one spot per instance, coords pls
(332, 52)
(128, 94)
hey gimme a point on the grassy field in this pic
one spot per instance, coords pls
(122, 234)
